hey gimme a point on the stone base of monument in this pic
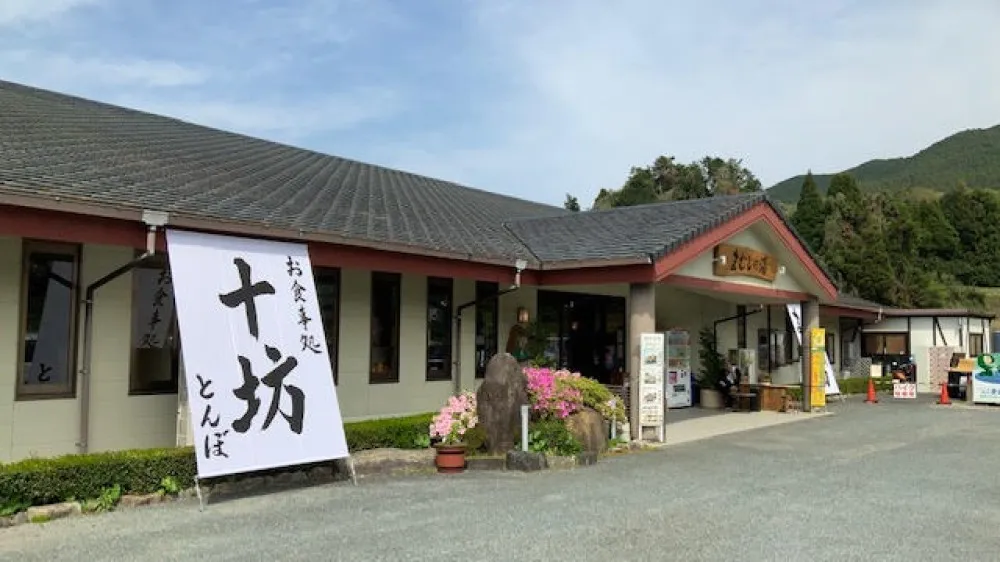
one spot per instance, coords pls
(558, 462)
(526, 461)
(486, 463)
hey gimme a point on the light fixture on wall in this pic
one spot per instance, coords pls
(721, 260)
(522, 315)
(781, 270)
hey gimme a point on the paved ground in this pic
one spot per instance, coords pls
(887, 482)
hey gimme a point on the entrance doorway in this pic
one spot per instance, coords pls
(585, 333)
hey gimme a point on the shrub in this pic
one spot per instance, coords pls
(409, 432)
(549, 393)
(83, 477)
(100, 478)
(552, 437)
(859, 385)
(456, 418)
(597, 396)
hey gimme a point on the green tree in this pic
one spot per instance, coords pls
(810, 214)
(571, 203)
(667, 180)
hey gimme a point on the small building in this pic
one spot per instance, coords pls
(420, 281)
(927, 337)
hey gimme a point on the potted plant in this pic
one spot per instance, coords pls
(713, 369)
(448, 428)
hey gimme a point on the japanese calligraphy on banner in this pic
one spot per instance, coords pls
(260, 387)
(155, 307)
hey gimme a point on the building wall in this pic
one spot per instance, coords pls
(46, 427)
(761, 238)
(953, 332)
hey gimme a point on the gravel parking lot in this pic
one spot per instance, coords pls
(892, 481)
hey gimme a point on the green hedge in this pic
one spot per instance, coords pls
(81, 477)
(854, 385)
(859, 385)
(84, 477)
(410, 432)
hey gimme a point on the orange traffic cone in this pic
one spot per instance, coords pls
(871, 399)
(944, 400)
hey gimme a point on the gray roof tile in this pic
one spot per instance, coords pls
(57, 145)
(628, 232)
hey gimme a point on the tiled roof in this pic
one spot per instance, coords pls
(642, 231)
(62, 146)
(55, 145)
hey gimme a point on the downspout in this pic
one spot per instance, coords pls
(152, 220)
(457, 361)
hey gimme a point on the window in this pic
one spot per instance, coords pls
(328, 295)
(783, 345)
(487, 324)
(975, 345)
(831, 347)
(48, 319)
(741, 326)
(439, 307)
(880, 344)
(155, 345)
(385, 300)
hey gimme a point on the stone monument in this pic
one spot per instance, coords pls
(499, 400)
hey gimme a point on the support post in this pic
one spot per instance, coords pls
(810, 320)
(642, 318)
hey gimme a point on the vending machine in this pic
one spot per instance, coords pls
(677, 368)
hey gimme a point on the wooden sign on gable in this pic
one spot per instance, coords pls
(745, 262)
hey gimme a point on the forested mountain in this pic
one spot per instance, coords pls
(970, 158)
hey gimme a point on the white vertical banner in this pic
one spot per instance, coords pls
(259, 383)
(795, 313)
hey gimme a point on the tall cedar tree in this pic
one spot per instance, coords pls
(810, 214)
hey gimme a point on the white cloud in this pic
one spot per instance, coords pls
(17, 12)
(784, 85)
(60, 71)
(285, 120)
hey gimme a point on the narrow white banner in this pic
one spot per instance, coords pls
(795, 313)
(260, 386)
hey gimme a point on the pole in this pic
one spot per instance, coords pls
(524, 427)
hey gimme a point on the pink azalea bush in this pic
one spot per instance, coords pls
(455, 418)
(551, 392)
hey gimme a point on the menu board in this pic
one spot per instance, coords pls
(651, 387)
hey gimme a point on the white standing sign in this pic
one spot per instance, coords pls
(651, 383)
(795, 313)
(260, 387)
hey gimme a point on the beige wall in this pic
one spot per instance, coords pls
(49, 427)
(118, 420)
(759, 237)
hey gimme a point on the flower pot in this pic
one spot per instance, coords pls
(711, 399)
(450, 458)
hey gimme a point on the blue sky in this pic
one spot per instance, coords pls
(533, 99)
